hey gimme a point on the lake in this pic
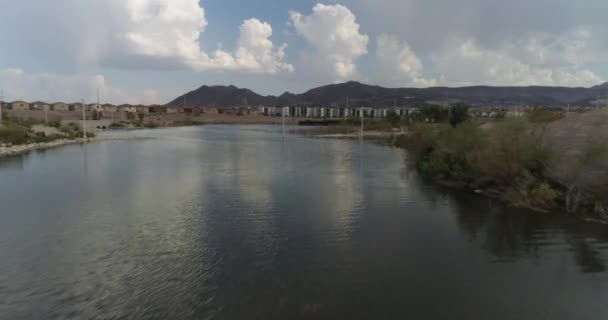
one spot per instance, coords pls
(239, 222)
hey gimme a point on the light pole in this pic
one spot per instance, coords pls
(283, 113)
(1, 102)
(362, 114)
(84, 121)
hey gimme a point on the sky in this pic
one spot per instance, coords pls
(151, 51)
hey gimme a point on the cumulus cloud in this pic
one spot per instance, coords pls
(535, 59)
(333, 32)
(170, 30)
(255, 52)
(397, 64)
(51, 87)
(145, 34)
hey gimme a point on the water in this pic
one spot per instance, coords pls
(228, 222)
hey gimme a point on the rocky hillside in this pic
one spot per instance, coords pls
(358, 94)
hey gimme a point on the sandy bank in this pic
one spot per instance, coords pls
(6, 151)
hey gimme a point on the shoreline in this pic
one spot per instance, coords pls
(26, 148)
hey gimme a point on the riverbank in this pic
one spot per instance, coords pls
(517, 161)
(7, 151)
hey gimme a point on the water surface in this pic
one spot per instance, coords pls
(230, 222)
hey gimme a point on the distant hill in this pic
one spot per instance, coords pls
(221, 96)
(356, 94)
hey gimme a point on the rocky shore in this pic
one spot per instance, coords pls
(13, 150)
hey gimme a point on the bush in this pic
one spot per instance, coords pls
(14, 134)
(433, 113)
(513, 148)
(393, 118)
(55, 123)
(116, 125)
(510, 155)
(459, 113)
(532, 192)
(545, 116)
(71, 130)
(42, 138)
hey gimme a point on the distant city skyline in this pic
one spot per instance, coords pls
(149, 51)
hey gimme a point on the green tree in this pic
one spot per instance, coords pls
(434, 113)
(459, 113)
(393, 118)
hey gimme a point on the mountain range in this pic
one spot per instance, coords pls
(355, 94)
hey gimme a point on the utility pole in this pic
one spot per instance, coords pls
(84, 121)
(1, 102)
(362, 113)
(283, 113)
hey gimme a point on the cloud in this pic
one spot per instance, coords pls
(427, 26)
(534, 59)
(333, 32)
(49, 87)
(255, 52)
(397, 64)
(135, 34)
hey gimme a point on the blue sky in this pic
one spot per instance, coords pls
(148, 51)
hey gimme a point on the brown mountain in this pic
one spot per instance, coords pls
(357, 94)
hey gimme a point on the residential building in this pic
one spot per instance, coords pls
(40, 106)
(211, 111)
(109, 108)
(19, 106)
(158, 109)
(60, 106)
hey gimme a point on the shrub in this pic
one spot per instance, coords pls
(433, 113)
(71, 130)
(115, 125)
(532, 192)
(14, 134)
(459, 113)
(393, 118)
(55, 123)
(513, 147)
(545, 116)
(510, 155)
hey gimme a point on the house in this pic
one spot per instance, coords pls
(95, 108)
(128, 108)
(109, 108)
(158, 109)
(171, 110)
(60, 106)
(75, 107)
(211, 111)
(40, 106)
(19, 106)
(142, 109)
